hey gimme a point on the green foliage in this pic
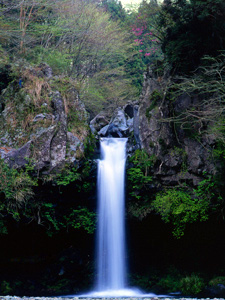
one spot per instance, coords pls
(206, 189)
(16, 184)
(142, 160)
(57, 60)
(183, 45)
(139, 179)
(170, 283)
(81, 218)
(115, 9)
(17, 201)
(90, 145)
(192, 285)
(180, 208)
(6, 289)
(47, 215)
(74, 218)
(135, 68)
(67, 175)
(81, 39)
(138, 175)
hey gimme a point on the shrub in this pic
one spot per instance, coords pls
(179, 207)
(192, 285)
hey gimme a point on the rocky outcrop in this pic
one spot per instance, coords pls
(120, 124)
(179, 157)
(124, 122)
(47, 144)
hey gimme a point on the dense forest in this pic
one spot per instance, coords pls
(67, 63)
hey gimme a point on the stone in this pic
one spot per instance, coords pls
(73, 145)
(18, 158)
(130, 124)
(103, 131)
(41, 117)
(118, 124)
(48, 147)
(98, 122)
(47, 70)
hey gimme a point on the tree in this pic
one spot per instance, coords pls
(192, 29)
(115, 9)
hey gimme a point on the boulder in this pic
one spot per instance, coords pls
(98, 122)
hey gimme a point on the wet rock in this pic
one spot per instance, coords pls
(103, 131)
(118, 124)
(98, 122)
(130, 124)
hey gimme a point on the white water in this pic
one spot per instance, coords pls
(111, 262)
(111, 266)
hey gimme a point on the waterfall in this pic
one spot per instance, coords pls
(111, 266)
(111, 262)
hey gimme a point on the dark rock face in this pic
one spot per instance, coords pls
(151, 130)
(179, 158)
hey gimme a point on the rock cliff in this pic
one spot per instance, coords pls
(42, 120)
(181, 155)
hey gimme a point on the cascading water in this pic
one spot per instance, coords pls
(111, 262)
(111, 266)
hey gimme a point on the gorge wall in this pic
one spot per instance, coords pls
(181, 154)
